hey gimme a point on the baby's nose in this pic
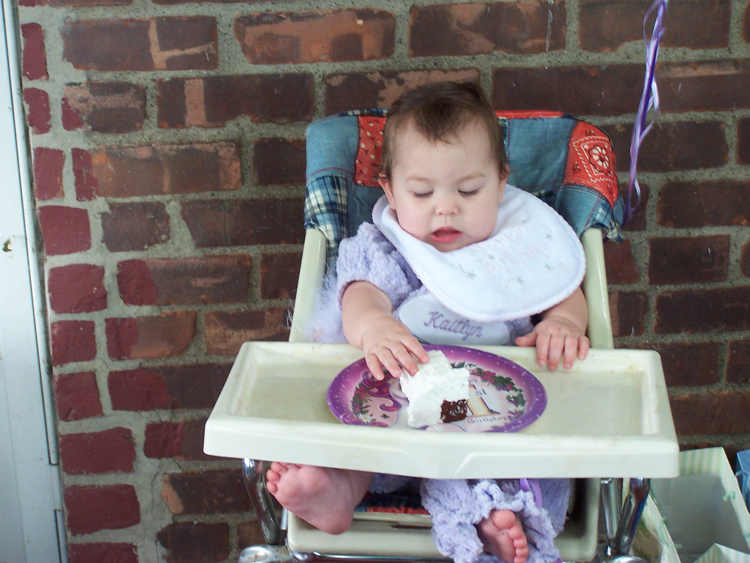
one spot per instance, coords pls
(446, 205)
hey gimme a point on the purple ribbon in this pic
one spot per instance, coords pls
(649, 101)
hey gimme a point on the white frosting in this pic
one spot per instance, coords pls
(434, 383)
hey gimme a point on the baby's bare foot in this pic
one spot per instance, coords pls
(321, 496)
(503, 536)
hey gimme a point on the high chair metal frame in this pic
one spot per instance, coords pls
(579, 180)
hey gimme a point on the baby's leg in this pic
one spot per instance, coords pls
(321, 496)
(502, 535)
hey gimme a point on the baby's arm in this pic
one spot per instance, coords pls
(369, 325)
(561, 333)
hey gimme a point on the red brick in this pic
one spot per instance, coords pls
(109, 451)
(639, 220)
(745, 260)
(688, 364)
(704, 204)
(359, 90)
(104, 107)
(85, 182)
(185, 281)
(164, 169)
(206, 492)
(525, 27)
(48, 173)
(78, 288)
(585, 90)
(279, 161)
(701, 259)
(72, 341)
(312, 37)
(219, 223)
(166, 335)
(711, 413)
(213, 101)
(704, 86)
(167, 387)
(173, 2)
(187, 542)
(227, 331)
(279, 274)
(90, 509)
(135, 226)
(619, 263)
(64, 229)
(628, 312)
(192, 445)
(249, 533)
(102, 552)
(673, 146)
(182, 440)
(164, 439)
(38, 115)
(606, 25)
(77, 396)
(74, 3)
(164, 43)
(703, 310)
(34, 63)
(139, 390)
(738, 362)
(743, 141)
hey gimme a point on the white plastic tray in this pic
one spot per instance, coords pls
(608, 416)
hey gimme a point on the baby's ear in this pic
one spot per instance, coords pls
(387, 188)
(505, 172)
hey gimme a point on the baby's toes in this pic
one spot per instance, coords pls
(277, 467)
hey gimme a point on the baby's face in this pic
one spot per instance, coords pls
(446, 195)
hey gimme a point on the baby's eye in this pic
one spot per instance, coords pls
(422, 194)
(469, 192)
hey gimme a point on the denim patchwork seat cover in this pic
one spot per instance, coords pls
(567, 163)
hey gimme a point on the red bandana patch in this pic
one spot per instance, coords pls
(367, 165)
(591, 161)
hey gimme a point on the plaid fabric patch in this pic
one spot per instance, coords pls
(325, 209)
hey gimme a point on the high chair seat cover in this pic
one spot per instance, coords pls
(567, 163)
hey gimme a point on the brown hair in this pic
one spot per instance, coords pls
(439, 111)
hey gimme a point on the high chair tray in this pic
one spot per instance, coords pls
(607, 416)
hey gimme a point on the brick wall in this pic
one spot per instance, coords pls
(168, 165)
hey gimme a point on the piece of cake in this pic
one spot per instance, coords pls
(437, 392)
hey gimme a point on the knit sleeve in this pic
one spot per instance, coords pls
(369, 256)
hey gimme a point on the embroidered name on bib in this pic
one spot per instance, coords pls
(432, 322)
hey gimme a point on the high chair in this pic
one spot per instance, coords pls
(606, 417)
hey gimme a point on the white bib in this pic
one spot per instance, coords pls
(532, 261)
(432, 322)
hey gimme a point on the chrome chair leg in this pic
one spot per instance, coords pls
(252, 473)
(631, 514)
(612, 505)
(266, 554)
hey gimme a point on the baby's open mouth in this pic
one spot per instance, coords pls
(445, 235)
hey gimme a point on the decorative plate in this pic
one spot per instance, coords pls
(503, 396)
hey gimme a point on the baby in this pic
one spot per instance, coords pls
(452, 241)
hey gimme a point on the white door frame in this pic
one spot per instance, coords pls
(31, 522)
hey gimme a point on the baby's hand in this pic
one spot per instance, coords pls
(388, 343)
(556, 337)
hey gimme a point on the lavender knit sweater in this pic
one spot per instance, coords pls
(455, 505)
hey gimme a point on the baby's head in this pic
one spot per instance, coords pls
(443, 164)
